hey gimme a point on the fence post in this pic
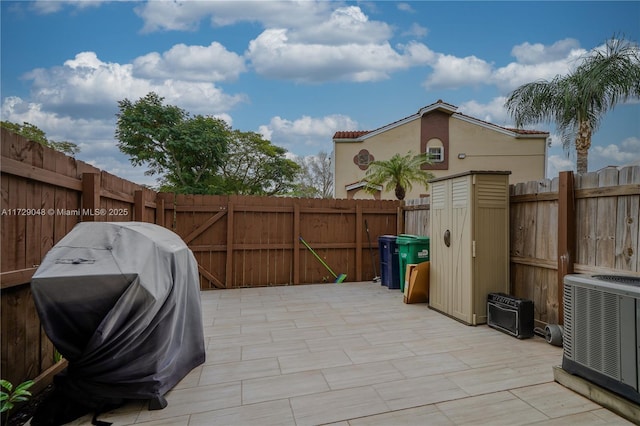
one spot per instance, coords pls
(296, 242)
(230, 237)
(566, 234)
(90, 196)
(159, 210)
(359, 226)
(138, 205)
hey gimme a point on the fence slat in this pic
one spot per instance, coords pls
(628, 223)
(606, 220)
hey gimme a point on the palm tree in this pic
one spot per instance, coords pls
(578, 101)
(398, 174)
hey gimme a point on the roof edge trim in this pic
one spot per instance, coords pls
(500, 129)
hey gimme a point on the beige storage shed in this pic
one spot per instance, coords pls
(469, 243)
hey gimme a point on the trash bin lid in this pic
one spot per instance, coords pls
(411, 239)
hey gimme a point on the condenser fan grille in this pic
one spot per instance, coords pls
(620, 279)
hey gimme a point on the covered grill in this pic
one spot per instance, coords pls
(121, 302)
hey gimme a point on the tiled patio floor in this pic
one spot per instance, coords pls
(354, 354)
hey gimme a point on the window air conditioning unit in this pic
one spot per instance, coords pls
(602, 331)
(510, 315)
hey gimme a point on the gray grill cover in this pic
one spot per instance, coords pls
(121, 302)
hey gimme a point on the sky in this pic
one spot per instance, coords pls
(297, 72)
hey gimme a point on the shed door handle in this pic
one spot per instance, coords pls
(447, 238)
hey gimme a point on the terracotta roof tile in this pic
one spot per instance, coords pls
(350, 134)
(527, 132)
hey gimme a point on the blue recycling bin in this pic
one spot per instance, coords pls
(389, 261)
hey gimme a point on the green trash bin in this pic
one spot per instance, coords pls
(411, 249)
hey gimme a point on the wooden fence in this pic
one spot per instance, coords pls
(238, 241)
(44, 195)
(242, 241)
(572, 224)
(416, 216)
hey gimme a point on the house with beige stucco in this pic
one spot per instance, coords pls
(456, 143)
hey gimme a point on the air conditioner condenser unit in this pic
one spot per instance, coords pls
(601, 338)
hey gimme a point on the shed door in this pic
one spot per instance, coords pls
(491, 223)
(440, 254)
(461, 250)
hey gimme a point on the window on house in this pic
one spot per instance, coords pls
(436, 153)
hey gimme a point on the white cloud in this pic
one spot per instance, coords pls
(493, 112)
(57, 127)
(627, 152)
(405, 7)
(345, 25)
(341, 45)
(45, 7)
(557, 164)
(83, 86)
(172, 15)
(196, 63)
(88, 87)
(416, 53)
(302, 41)
(533, 62)
(538, 62)
(516, 74)
(273, 55)
(416, 30)
(187, 15)
(123, 168)
(308, 135)
(320, 41)
(556, 140)
(452, 72)
(527, 53)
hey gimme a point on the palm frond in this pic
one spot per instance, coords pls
(399, 171)
(604, 78)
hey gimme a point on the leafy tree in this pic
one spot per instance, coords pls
(35, 134)
(186, 151)
(316, 177)
(398, 174)
(254, 166)
(578, 101)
